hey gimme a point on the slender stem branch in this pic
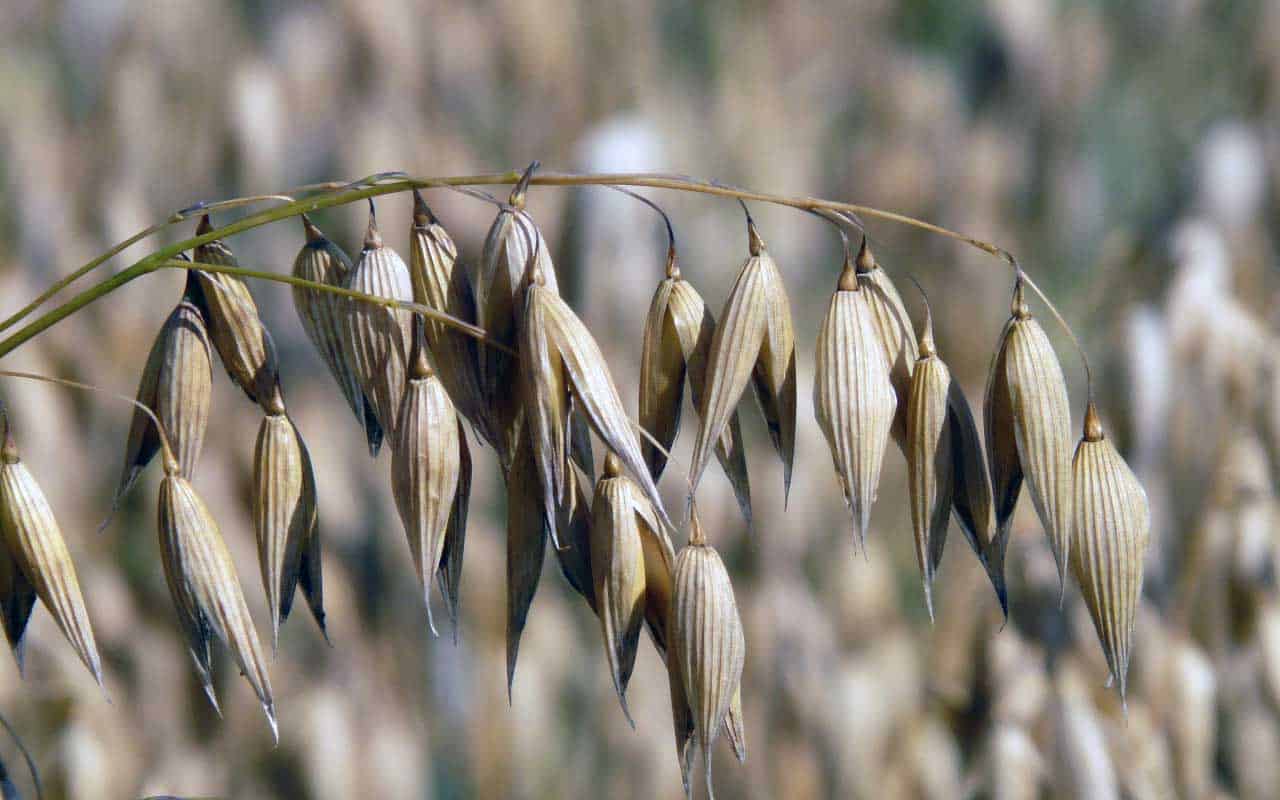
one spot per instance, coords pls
(328, 195)
(31, 764)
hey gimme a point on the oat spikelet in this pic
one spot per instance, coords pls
(574, 553)
(205, 588)
(894, 331)
(1112, 529)
(439, 283)
(552, 338)
(618, 567)
(1041, 419)
(377, 339)
(708, 638)
(526, 548)
(513, 248)
(455, 535)
(322, 315)
(177, 384)
(754, 341)
(310, 577)
(677, 340)
(930, 458)
(35, 544)
(235, 328)
(971, 496)
(284, 509)
(853, 397)
(17, 599)
(425, 468)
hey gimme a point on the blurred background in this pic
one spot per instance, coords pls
(1122, 150)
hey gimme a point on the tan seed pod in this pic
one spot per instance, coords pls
(205, 588)
(235, 328)
(681, 716)
(574, 554)
(895, 334)
(754, 340)
(853, 397)
(1040, 413)
(284, 510)
(930, 457)
(35, 543)
(553, 337)
(310, 577)
(526, 548)
(545, 398)
(440, 284)
(17, 600)
(618, 568)
(455, 536)
(971, 496)
(1112, 529)
(322, 315)
(177, 384)
(677, 340)
(425, 467)
(377, 339)
(707, 636)
(1004, 465)
(512, 249)
(735, 727)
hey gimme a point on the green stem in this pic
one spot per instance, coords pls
(330, 195)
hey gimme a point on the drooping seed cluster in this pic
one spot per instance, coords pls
(535, 389)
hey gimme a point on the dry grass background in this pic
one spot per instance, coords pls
(1121, 149)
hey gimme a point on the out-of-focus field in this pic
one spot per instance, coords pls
(1122, 150)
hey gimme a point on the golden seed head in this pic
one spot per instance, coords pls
(848, 276)
(204, 226)
(1018, 308)
(612, 466)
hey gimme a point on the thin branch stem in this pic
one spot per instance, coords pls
(329, 195)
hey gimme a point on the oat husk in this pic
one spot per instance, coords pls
(559, 358)
(972, 503)
(893, 327)
(425, 467)
(322, 315)
(574, 553)
(618, 569)
(853, 396)
(1030, 401)
(677, 341)
(526, 548)
(235, 328)
(377, 339)
(440, 283)
(17, 600)
(449, 573)
(284, 510)
(206, 590)
(930, 458)
(754, 342)
(177, 384)
(39, 552)
(1112, 530)
(707, 637)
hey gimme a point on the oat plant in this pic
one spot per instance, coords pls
(439, 353)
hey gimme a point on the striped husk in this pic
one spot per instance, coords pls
(177, 384)
(39, 552)
(895, 334)
(322, 315)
